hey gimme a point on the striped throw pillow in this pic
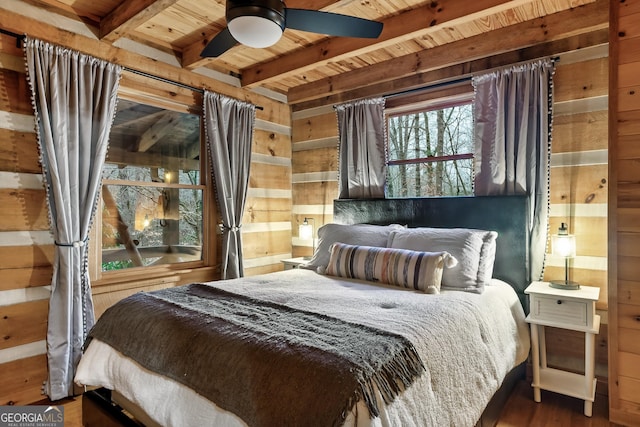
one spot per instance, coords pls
(399, 267)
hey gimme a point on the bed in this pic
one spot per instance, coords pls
(431, 350)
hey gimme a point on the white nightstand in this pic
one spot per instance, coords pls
(291, 263)
(567, 309)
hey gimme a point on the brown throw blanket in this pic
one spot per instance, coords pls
(268, 363)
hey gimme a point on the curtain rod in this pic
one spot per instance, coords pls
(453, 82)
(426, 88)
(20, 37)
(418, 89)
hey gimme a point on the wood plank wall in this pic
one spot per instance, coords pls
(26, 246)
(579, 191)
(578, 183)
(315, 171)
(624, 211)
(579, 165)
(266, 229)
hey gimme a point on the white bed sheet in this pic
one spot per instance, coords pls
(466, 358)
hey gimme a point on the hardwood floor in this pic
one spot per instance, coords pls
(72, 410)
(554, 410)
(521, 411)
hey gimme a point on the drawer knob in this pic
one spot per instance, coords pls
(637, 318)
(559, 302)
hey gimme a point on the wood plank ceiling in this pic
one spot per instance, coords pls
(302, 63)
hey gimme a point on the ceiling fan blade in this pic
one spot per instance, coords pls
(221, 43)
(332, 24)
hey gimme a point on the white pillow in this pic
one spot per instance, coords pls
(358, 234)
(399, 267)
(487, 256)
(463, 244)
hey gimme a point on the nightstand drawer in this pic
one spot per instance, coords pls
(560, 310)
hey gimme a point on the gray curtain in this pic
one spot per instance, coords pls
(513, 117)
(229, 132)
(74, 100)
(362, 169)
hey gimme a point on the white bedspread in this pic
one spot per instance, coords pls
(468, 343)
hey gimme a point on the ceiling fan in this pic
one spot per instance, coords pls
(260, 23)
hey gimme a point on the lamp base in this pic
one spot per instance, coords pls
(566, 285)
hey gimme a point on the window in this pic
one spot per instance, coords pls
(430, 147)
(153, 193)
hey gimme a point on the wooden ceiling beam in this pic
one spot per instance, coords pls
(155, 132)
(413, 24)
(129, 15)
(192, 143)
(72, 11)
(191, 58)
(462, 70)
(158, 115)
(584, 19)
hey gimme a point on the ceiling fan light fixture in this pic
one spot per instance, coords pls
(255, 31)
(260, 24)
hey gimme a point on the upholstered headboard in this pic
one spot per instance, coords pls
(508, 215)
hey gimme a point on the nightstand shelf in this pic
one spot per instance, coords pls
(566, 309)
(563, 382)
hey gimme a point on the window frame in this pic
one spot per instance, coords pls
(460, 93)
(149, 91)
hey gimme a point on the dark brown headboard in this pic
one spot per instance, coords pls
(508, 215)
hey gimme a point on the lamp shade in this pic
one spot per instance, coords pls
(305, 231)
(563, 244)
(255, 31)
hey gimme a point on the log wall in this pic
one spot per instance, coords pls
(624, 211)
(26, 248)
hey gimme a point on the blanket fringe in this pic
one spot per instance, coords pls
(389, 380)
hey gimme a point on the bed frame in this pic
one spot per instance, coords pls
(508, 215)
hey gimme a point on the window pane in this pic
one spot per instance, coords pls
(432, 179)
(152, 144)
(145, 221)
(441, 132)
(143, 225)
(433, 151)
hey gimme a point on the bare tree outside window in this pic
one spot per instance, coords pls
(431, 152)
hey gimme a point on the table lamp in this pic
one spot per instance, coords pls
(305, 231)
(563, 244)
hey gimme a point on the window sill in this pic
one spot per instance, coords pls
(145, 276)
